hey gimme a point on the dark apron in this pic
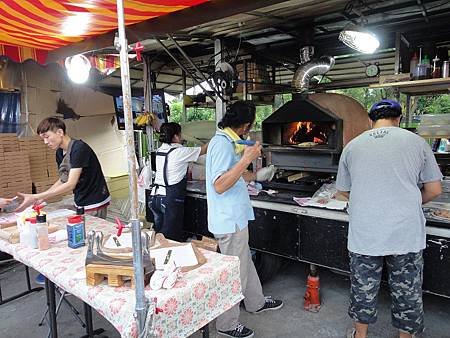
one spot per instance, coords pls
(168, 210)
(64, 167)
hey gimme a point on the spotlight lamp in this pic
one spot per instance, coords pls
(359, 39)
(78, 68)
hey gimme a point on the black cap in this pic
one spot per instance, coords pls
(41, 218)
(80, 210)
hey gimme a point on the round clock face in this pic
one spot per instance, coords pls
(372, 70)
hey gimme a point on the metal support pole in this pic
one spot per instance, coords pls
(244, 85)
(220, 104)
(50, 290)
(148, 105)
(408, 114)
(205, 331)
(88, 318)
(398, 42)
(184, 112)
(141, 306)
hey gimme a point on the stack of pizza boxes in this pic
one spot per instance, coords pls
(43, 167)
(14, 167)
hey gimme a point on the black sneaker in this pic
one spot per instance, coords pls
(239, 332)
(270, 304)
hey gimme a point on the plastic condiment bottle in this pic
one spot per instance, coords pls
(436, 72)
(42, 232)
(32, 233)
(413, 65)
(426, 61)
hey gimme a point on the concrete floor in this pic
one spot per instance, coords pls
(19, 318)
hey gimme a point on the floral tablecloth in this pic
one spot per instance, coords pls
(197, 298)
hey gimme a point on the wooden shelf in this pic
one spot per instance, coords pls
(419, 87)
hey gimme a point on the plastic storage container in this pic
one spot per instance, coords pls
(434, 131)
(430, 119)
(434, 125)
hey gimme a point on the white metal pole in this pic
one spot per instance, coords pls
(141, 306)
(184, 111)
(220, 105)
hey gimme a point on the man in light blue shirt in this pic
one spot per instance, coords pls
(235, 199)
(229, 209)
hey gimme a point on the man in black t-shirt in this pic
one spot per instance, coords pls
(79, 171)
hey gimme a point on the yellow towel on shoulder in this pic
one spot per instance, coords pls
(238, 148)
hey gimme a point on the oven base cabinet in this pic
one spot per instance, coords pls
(314, 240)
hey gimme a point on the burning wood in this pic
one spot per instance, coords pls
(306, 131)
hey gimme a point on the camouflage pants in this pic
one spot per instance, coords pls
(405, 284)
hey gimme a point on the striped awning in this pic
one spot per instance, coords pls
(44, 25)
(20, 54)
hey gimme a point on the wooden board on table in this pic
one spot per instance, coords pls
(115, 275)
(10, 234)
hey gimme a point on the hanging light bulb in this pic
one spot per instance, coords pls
(359, 39)
(78, 68)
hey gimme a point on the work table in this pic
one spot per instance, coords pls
(283, 201)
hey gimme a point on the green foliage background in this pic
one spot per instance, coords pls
(435, 104)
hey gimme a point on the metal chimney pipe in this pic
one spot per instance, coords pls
(305, 72)
(306, 54)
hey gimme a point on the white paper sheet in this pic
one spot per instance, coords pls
(311, 202)
(124, 240)
(183, 255)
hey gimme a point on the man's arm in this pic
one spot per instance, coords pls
(56, 184)
(56, 189)
(4, 202)
(60, 188)
(228, 179)
(430, 191)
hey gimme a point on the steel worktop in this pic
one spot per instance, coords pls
(318, 236)
(283, 201)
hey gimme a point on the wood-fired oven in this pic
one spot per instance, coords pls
(308, 133)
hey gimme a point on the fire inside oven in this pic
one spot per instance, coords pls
(300, 132)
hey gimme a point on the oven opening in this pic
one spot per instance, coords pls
(313, 133)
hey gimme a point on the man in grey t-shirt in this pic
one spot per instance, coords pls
(387, 173)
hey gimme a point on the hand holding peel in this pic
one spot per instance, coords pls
(252, 152)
